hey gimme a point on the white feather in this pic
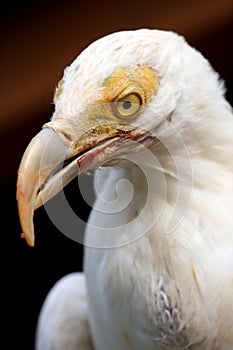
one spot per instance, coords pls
(63, 322)
(162, 291)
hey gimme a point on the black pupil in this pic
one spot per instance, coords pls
(127, 105)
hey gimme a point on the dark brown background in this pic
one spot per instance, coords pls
(38, 39)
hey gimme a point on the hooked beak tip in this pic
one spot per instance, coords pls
(41, 156)
(26, 210)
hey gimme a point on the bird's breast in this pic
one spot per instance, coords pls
(134, 308)
(158, 291)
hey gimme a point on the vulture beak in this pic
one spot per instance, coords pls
(52, 160)
(37, 176)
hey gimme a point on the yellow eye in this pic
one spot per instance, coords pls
(128, 105)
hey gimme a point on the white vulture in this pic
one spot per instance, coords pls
(149, 112)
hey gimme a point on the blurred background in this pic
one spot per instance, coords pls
(38, 39)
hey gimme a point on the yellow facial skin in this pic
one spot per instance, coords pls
(141, 81)
(107, 114)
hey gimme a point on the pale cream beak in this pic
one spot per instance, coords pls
(52, 160)
(41, 175)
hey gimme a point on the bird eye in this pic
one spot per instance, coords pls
(128, 105)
